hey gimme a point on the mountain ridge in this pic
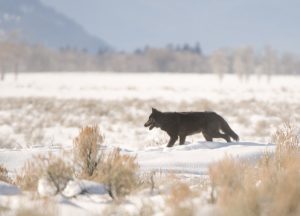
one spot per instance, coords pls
(37, 23)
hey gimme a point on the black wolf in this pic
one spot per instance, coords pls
(183, 124)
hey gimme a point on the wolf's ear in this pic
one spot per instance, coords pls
(154, 110)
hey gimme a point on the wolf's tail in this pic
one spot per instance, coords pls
(225, 127)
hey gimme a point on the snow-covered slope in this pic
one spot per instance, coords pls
(196, 157)
(193, 158)
(82, 197)
(41, 113)
(165, 86)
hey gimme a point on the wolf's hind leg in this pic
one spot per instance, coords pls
(223, 136)
(182, 139)
(226, 137)
(207, 137)
(172, 141)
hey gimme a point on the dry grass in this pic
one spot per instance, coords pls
(180, 200)
(148, 180)
(119, 173)
(45, 113)
(270, 187)
(54, 168)
(29, 175)
(226, 175)
(286, 140)
(86, 154)
(4, 175)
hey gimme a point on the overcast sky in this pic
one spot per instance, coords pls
(129, 24)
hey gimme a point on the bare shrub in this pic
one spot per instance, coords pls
(226, 175)
(58, 172)
(54, 168)
(270, 187)
(119, 173)
(113, 169)
(148, 180)
(180, 200)
(30, 173)
(4, 174)
(86, 155)
(286, 140)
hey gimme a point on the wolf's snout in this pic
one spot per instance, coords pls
(148, 123)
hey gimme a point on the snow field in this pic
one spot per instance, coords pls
(41, 113)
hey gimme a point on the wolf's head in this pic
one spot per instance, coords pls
(152, 121)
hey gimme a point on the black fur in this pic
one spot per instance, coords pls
(182, 124)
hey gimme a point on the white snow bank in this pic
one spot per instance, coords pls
(82, 197)
(195, 158)
(76, 187)
(116, 86)
(46, 187)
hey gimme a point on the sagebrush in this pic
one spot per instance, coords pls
(269, 187)
(86, 153)
(119, 173)
(53, 168)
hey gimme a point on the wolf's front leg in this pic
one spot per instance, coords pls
(182, 139)
(172, 141)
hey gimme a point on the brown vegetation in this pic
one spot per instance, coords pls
(180, 200)
(86, 153)
(119, 173)
(52, 167)
(4, 174)
(270, 187)
(114, 116)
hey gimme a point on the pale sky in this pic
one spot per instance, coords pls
(129, 24)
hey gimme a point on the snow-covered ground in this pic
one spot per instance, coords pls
(164, 86)
(48, 109)
(44, 112)
(89, 198)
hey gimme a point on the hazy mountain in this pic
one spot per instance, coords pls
(37, 23)
(131, 24)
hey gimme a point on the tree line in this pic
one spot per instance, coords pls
(18, 57)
